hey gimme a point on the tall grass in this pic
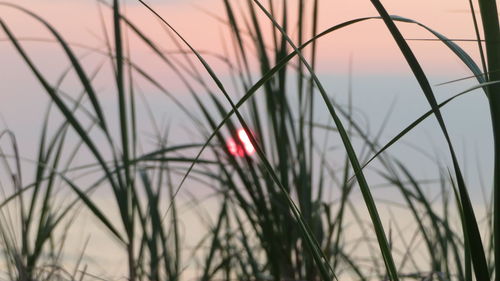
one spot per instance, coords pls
(30, 226)
(152, 242)
(470, 225)
(491, 29)
(276, 221)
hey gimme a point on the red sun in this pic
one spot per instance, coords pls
(241, 146)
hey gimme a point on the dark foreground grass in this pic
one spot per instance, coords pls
(276, 221)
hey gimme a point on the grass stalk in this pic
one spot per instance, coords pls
(491, 28)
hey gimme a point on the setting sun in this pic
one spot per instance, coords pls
(241, 146)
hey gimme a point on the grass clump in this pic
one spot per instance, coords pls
(276, 220)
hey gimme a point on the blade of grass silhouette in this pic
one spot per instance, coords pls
(149, 42)
(127, 208)
(95, 210)
(455, 48)
(491, 31)
(275, 69)
(479, 258)
(215, 241)
(478, 37)
(74, 60)
(462, 79)
(60, 104)
(65, 111)
(323, 34)
(67, 114)
(318, 255)
(370, 204)
(420, 119)
(45, 150)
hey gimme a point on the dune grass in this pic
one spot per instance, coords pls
(275, 220)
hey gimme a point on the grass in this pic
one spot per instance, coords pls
(276, 221)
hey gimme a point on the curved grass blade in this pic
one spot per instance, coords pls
(267, 76)
(491, 28)
(477, 250)
(67, 113)
(312, 243)
(365, 189)
(97, 212)
(422, 118)
(74, 60)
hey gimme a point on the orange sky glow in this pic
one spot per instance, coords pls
(369, 43)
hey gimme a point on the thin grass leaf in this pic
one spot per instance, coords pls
(74, 60)
(379, 229)
(477, 250)
(303, 227)
(422, 118)
(491, 28)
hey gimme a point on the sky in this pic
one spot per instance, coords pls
(78, 20)
(380, 73)
(367, 45)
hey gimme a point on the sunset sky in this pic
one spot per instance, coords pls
(380, 74)
(369, 43)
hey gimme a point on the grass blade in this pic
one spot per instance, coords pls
(372, 209)
(477, 250)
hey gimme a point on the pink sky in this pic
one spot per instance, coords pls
(369, 43)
